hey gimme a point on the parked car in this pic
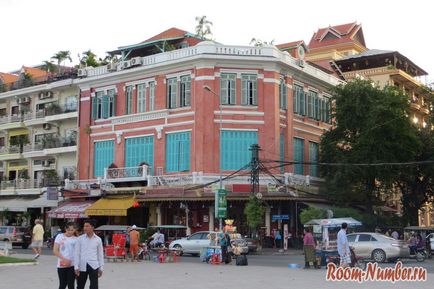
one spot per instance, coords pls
(377, 246)
(252, 244)
(191, 244)
(19, 236)
(195, 242)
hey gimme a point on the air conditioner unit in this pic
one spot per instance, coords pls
(46, 94)
(125, 64)
(23, 100)
(136, 61)
(112, 66)
(82, 72)
(46, 126)
(41, 95)
(301, 62)
(45, 163)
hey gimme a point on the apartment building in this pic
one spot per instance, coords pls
(38, 139)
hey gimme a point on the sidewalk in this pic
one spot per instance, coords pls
(275, 251)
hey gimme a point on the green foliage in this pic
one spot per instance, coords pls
(146, 234)
(312, 213)
(89, 58)
(13, 260)
(254, 212)
(371, 125)
(19, 140)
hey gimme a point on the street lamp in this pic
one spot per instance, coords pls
(207, 88)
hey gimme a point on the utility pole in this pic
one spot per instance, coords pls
(254, 169)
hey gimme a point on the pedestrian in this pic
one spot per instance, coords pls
(37, 238)
(308, 248)
(64, 249)
(134, 243)
(395, 235)
(88, 257)
(412, 244)
(278, 239)
(224, 243)
(343, 246)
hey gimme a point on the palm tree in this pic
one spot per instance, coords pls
(49, 66)
(62, 56)
(203, 27)
(89, 59)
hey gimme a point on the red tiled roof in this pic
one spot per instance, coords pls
(35, 72)
(169, 33)
(290, 44)
(8, 78)
(323, 65)
(344, 34)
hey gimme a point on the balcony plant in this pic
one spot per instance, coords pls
(51, 178)
(19, 141)
(53, 108)
(50, 141)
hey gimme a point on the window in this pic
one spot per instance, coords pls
(185, 91)
(282, 152)
(249, 89)
(313, 157)
(15, 110)
(69, 173)
(141, 98)
(298, 99)
(104, 106)
(71, 104)
(298, 156)
(178, 152)
(3, 112)
(351, 238)
(129, 99)
(234, 148)
(311, 106)
(197, 236)
(364, 238)
(2, 141)
(283, 94)
(103, 157)
(172, 91)
(151, 96)
(228, 88)
(139, 150)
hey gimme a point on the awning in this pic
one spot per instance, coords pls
(110, 207)
(22, 204)
(70, 210)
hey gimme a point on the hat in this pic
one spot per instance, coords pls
(134, 227)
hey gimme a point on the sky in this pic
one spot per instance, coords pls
(34, 30)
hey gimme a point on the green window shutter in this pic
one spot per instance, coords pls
(139, 150)
(234, 148)
(313, 157)
(298, 155)
(105, 106)
(232, 88)
(188, 92)
(94, 108)
(152, 96)
(302, 101)
(224, 93)
(255, 91)
(295, 101)
(285, 95)
(103, 156)
(178, 152)
(244, 90)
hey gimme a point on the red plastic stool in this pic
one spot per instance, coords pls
(215, 259)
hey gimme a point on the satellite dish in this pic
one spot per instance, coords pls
(259, 196)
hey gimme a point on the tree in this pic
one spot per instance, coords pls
(259, 43)
(61, 57)
(203, 28)
(88, 58)
(49, 66)
(312, 213)
(370, 125)
(254, 212)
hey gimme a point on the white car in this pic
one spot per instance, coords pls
(191, 244)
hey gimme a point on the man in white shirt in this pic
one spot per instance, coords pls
(89, 257)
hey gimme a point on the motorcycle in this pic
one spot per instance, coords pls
(419, 254)
(356, 261)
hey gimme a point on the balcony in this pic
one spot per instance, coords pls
(11, 121)
(20, 187)
(10, 153)
(51, 114)
(130, 174)
(51, 145)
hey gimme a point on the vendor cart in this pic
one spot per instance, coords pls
(325, 234)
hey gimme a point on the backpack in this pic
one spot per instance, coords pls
(241, 260)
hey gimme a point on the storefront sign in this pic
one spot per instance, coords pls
(52, 194)
(280, 217)
(205, 218)
(221, 204)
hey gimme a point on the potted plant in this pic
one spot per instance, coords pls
(53, 108)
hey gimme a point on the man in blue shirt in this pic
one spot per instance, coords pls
(343, 246)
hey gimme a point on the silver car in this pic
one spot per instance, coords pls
(378, 247)
(191, 244)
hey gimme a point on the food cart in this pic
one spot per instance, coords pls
(325, 234)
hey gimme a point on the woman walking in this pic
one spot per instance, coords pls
(64, 248)
(309, 248)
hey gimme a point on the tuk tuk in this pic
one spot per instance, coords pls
(426, 232)
(325, 233)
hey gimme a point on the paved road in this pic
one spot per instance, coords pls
(192, 274)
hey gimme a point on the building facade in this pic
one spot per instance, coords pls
(150, 129)
(38, 139)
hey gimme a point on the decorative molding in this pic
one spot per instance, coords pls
(105, 88)
(85, 98)
(239, 112)
(239, 121)
(307, 131)
(272, 80)
(205, 77)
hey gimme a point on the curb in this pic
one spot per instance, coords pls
(18, 264)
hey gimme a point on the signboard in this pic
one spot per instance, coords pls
(52, 194)
(280, 217)
(221, 204)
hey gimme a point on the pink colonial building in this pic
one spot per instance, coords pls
(150, 131)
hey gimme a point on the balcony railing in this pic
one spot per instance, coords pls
(20, 184)
(23, 83)
(51, 143)
(140, 173)
(49, 112)
(10, 150)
